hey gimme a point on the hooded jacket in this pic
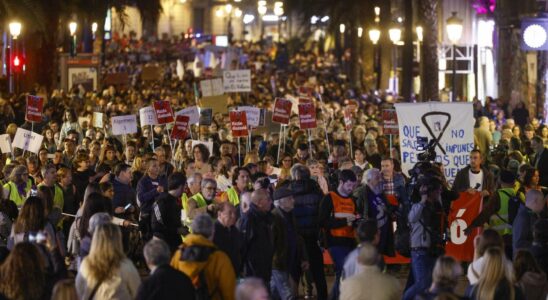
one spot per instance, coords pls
(197, 253)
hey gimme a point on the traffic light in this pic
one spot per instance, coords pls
(17, 63)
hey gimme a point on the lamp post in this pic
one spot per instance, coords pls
(395, 36)
(454, 33)
(72, 29)
(94, 29)
(261, 9)
(374, 36)
(14, 60)
(279, 11)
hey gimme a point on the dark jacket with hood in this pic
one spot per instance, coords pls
(258, 247)
(307, 207)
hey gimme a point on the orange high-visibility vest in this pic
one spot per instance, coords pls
(342, 208)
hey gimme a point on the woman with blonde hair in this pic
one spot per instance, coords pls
(106, 273)
(64, 290)
(494, 281)
(22, 274)
(445, 277)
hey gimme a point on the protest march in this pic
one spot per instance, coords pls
(195, 179)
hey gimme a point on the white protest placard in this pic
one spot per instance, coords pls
(98, 119)
(212, 87)
(5, 143)
(237, 81)
(209, 145)
(451, 124)
(253, 115)
(147, 116)
(124, 124)
(27, 140)
(192, 112)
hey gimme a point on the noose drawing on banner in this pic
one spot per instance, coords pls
(437, 126)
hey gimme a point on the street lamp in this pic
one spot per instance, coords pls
(420, 33)
(374, 35)
(342, 28)
(454, 33)
(360, 32)
(72, 28)
(15, 29)
(94, 29)
(395, 36)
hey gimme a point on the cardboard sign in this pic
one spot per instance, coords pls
(116, 79)
(390, 121)
(124, 124)
(348, 118)
(180, 129)
(307, 116)
(147, 116)
(237, 81)
(35, 108)
(82, 120)
(212, 87)
(164, 114)
(238, 123)
(219, 104)
(206, 116)
(192, 113)
(151, 73)
(5, 143)
(253, 115)
(27, 140)
(98, 120)
(282, 111)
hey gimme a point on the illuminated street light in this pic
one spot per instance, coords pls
(342, 28)
(238, 13)
(420, 33)
(72, 27)
(15, 29)
(228, 8)
(374, 35)
(395, 34)
(360, 32)
(262, 10)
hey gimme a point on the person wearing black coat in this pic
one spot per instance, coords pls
(149, 187)
(227, 237)
(256, 228)
(166, 214)
(307, 195)
(164, 281)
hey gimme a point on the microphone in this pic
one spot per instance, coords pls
(477, 186)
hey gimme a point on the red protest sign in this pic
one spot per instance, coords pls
(307, 115)
(282, 111)
(463, 211)
(348, 118)
(306, 91)
(164, 114)
(238, 123)
(390, 121)
(180, 130)
(35, 107)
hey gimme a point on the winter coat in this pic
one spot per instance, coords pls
(199, 254)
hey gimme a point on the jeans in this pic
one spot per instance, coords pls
(281, 286)
(422, 264)
(315, 259)
(338, 254)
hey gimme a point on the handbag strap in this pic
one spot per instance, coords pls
(95, 289)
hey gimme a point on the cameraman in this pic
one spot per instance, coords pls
(427, 221)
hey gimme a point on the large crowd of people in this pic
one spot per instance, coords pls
(91, 212)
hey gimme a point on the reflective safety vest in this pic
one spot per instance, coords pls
(200, 202)
(58, 199)
(14, 192)
(343, 208)
(500, 220)
(233, 197)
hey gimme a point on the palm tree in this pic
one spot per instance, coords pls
(428, 12)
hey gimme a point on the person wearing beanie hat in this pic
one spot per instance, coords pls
(500, 210)
(288, 245)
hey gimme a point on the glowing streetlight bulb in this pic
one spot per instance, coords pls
(15, 29)
(72, 27)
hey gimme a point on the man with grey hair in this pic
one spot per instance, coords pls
(379, 285)
(372, 204)
(164, 281)
(199, 257)
(203, 202)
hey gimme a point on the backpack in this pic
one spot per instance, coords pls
(199, 254)
(513, 206)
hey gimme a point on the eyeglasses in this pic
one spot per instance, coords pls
(210, 188)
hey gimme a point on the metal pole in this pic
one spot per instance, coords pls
(279, 145)
(454, 94)
(390, 146)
